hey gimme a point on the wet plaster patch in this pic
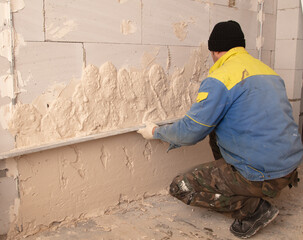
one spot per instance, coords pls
(107, 98)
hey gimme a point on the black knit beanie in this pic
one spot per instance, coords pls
(225, 36)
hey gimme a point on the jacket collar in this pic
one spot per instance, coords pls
(226, 56)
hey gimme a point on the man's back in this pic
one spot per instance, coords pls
(257, 133)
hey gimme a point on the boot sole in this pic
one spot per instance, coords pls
(259, 224)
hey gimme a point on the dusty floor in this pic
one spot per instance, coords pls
(163, 217)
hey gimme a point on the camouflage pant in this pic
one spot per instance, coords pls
(219, 186)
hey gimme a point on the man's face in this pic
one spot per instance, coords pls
(213, 55)
(217, 55)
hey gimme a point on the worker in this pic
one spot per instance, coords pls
(242, 105)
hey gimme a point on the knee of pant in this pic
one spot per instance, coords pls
(173, 189)
(179, 187)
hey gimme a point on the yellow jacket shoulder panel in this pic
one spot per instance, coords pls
(237, 65)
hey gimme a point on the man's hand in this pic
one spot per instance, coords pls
(148, 131)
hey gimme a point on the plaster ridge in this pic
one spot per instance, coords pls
(129, 162)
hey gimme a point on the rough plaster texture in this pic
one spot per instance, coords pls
(8, 194)
(108, 98)
(85, 179)
(9, 199)
(164, 217)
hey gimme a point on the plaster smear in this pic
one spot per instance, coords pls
(5, 115)
(5, 44)
(128, 27)
(180, 30)
(108, 98)
(58, 32)
(261, 16)
(17, 5)
(6, 85)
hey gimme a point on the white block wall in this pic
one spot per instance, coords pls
(289, 51)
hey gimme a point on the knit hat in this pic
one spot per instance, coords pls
(225, 36)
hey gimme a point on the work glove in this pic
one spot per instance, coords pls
(147, 132)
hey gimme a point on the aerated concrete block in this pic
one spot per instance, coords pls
(296, 110)
(175, 22)
(270, 6)
(269, 32)
(7, 139)
(288, 23)
(180, 55)
(126, 55)
(8, 194)
(29, 21)
(93, 21)
(4, 65)
(299, 58)
(268, 58)
(282, 4)
(300, 25)
(293, 82)
(43, 64)
(286, 51)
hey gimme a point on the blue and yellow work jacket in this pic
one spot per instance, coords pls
(245, 102)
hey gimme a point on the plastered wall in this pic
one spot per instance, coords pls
(56, 41)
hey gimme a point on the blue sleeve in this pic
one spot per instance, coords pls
(200, 120)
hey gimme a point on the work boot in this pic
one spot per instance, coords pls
(248, 226)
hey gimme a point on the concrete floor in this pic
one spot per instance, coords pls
(163, 218)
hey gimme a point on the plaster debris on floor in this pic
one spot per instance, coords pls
(164, 217)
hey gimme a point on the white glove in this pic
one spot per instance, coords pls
(147, 132)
